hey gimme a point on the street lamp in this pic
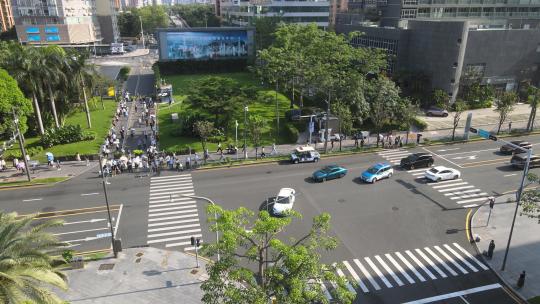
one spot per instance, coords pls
(21, 145)
(142, 32)
(215, 215)
(245, 128)
(104, 182)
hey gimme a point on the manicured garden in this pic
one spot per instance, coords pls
(263, 105)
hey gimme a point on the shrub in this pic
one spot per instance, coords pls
(138, 152)
(62, 135)
(291, 132)
(89, 135)
(419, 124)
(33, 151)
(124, 73)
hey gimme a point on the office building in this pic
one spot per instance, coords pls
(6, 15)
(242, 13)
(66, 22)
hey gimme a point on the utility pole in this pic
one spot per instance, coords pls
(142, 32)
(21, 145)
(326, 135)
(110, 221)
(245, 128)
(277, 112)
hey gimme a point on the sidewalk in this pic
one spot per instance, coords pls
(138, 275)
(68, 169)
(524, 248)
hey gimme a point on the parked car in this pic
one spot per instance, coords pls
(337, 137)
(329, 172)
(305, 154)
(509, 149)
(417, 160)
(518, 161)
(434, 111)
(441, 173)
(284, 201)
(377, 172)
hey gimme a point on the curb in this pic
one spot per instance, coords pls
(25, 186)
(506, 285)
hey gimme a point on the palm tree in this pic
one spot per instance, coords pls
(53, 74)
(26, 267)
(81, 71)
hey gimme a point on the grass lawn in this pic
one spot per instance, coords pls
(266, 108)
(101, 122)
(48, 180)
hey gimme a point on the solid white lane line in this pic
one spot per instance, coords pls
(173, 212)
(174, 227)
(88, 221)
(508, 175)
(460, 258)
(443, 263)
(172, 204)
(410, 266)
(473, 200)
(88, 194)
(470, 206)
(449, 258)
(430, 263)
(465, 252)
(170, 176)
(456, 294)
(449, 185)
(171, 190)
(394, 158)
(173, 217)
(462, 192)
(118, 219)
(174, 222)
(398, 267)
(447, 182)
(342, 275)
(176, 185)
(468, 195)
(32, 199)
(417, 261)
(378, 272)
(444, 150)
(367, 274)
(172, 208)
(385, 152)
(356, 277)
(173, 233)
(417, 170)
(168, 196)
(82, 231)
(438, 155)
(456, 188)
(173, 239)
(470, 152)
(389, 270)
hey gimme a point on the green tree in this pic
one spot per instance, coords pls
(204, 129)
(197, 14)
(504, 105)
(53, 67)
(441, 99)
(11, 98)
(83, 75)
(26, 265)
(153, 17)
(459, 107)
(534, 99)
(128, 23)
(265, 27)
(256, 265)
(256, 125)
(406, 113)
(383, 98)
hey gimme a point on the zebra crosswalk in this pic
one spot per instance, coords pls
(461, 192)
(393, 270)
(172, 218)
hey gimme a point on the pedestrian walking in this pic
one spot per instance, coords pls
(491, 248)
(356, 141)
(509, 127)
(78, 157)
(274, 151)
(521, 280)
(58, 167)
(263, 155)
(219, 149)
(221, 156)
(362, 143)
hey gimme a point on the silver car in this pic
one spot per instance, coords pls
(434, 111)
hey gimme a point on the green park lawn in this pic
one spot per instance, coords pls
(266, 109)
(101, 122)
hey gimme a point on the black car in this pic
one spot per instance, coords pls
(417, 160)
(508, 149)
(519, 161)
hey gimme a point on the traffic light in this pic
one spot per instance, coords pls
(198, 242)
(473, 130)
(192, 241)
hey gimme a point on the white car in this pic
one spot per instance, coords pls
(284, 201)
(440, 173)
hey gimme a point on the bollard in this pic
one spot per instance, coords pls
(521, 280)
(491, 248)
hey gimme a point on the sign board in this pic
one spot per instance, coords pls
(483, 133)
(110, 92)
(103, 235)
(311, 126)
(117, 48)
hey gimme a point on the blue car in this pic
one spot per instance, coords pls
(329, 172)
(377, 172)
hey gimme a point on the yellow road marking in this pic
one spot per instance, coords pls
(467, 228)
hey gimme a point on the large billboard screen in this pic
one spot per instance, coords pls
(205, 44)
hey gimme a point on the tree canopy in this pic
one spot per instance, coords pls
(152, 17)
(11, 98)
(197, 14)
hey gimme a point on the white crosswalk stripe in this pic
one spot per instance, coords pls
(449, 185)
(437, 262)
(473, 200)
(469, 195)
(172, 218)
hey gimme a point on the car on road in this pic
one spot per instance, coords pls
(417, 160)
(304, 154)
(519, 160)
(509, 149)
(434, 111)
(441, 173)
(284, 201)
(329, 172)
(377, 172)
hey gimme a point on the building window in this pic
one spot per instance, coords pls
(51, 30)
(32, 30)
(408, 13)
(53, 37)
(33, 38)
(475, 69)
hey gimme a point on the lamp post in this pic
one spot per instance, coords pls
(215, 215)
(245, 128)
(104, 182)
(21, 145)
(277, 112)
(142, 32)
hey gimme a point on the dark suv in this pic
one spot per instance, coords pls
(417, 160)
(519, 160)
(508, 149)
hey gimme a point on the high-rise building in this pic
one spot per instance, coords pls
(242, 13)
(66, 22)
(6, 15)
